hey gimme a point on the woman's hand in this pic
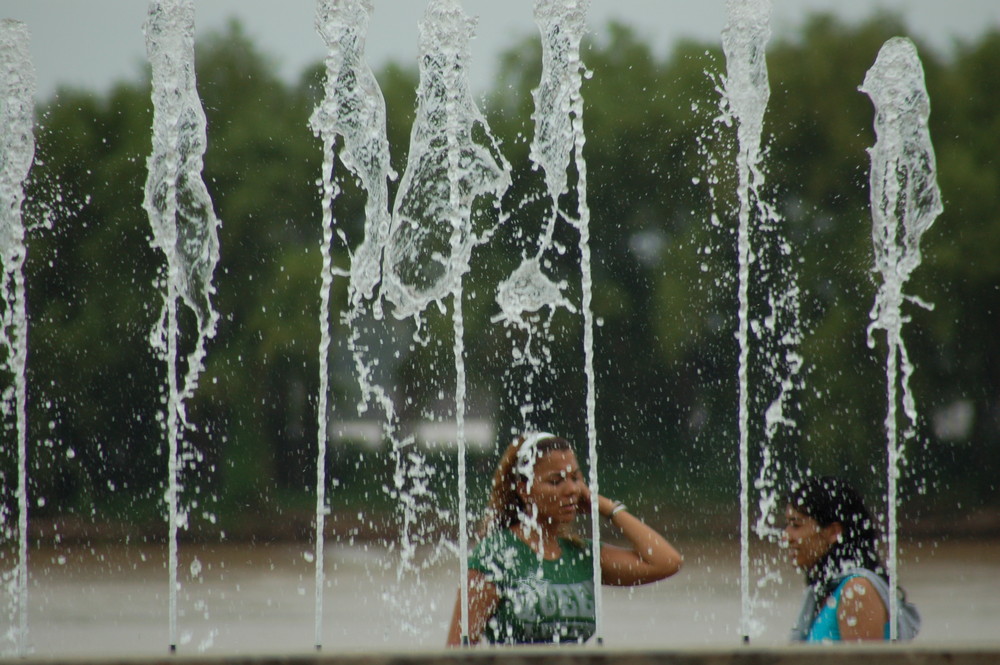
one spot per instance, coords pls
(651, 557)
(604, 504)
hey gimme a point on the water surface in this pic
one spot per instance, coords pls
(258, 599)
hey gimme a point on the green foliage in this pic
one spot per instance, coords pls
(660, 170)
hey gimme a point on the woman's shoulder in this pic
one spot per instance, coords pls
(864, 578)
(859, 584)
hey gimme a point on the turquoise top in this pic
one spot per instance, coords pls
(825, 627)
(541, 601)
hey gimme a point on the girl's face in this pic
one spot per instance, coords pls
(557, 487)
(806, 540)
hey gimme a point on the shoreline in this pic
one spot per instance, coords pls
(293, 527)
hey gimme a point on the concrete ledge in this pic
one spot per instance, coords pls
(882, 654)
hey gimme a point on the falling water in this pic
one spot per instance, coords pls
(905, 201)
(354, 109)
(558, 141)
(421, 252)
(186, 229)
(431, 241)
(528, 290)
(17, 149)
(746, 92)
(432, 237)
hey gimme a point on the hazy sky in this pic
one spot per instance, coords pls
(92, 43)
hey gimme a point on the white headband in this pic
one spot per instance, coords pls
(527, 455)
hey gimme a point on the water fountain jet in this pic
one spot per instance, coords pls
(410, 287)
(905, 201)
(353, 109)
(185, 229)
(746, 93)
(17, 149)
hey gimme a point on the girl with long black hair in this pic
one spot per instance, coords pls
(832, 537)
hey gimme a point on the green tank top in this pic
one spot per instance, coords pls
(540, 601)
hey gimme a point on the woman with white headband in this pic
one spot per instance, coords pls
(531, 577)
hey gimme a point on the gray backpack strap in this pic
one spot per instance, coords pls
(801, 630)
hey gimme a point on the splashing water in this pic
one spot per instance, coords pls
(354, 109)
(432, 236)
(905, 201)
(422, 251)
(430, 244)
(528, 289)
(185, 228)
(779, 334)
(17, 150)
(558, 142)
(746, 93)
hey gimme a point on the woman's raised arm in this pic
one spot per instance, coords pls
(651, 557)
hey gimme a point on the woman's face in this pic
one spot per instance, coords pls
(557, 487)
(806, 540)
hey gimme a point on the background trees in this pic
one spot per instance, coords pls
(664, 285)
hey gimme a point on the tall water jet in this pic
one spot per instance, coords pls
(529, 290)
(185, 228)
(17, 150)
(746, 92)
(557, 144)
(432, 237)
(353, 109)
(905, 201)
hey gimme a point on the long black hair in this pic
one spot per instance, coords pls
(829, 500)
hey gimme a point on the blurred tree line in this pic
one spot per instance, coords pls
(660, 170)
